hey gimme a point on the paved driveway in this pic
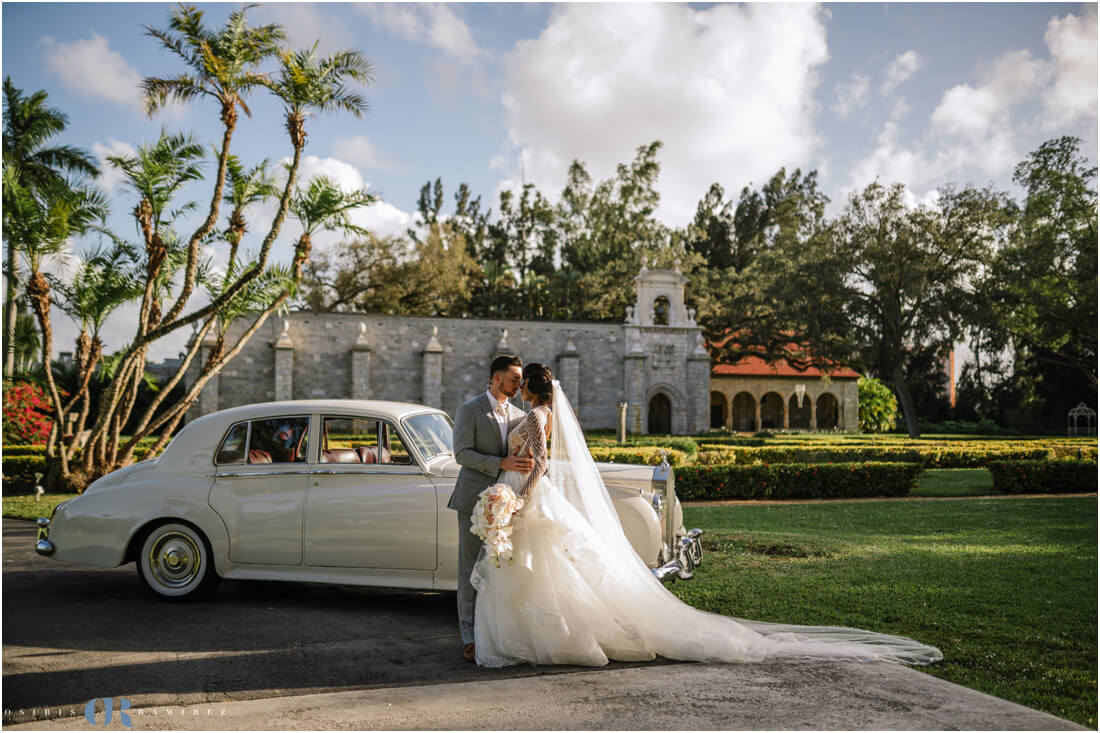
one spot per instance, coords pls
(261, 655)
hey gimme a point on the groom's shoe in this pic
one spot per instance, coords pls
(468, 652)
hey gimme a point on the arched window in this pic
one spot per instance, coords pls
(661, 308)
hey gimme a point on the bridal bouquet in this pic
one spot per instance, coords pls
(492, 520)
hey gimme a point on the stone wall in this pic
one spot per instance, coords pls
(444, 361)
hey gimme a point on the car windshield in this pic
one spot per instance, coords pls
(430, 433)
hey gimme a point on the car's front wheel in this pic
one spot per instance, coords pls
(175, 563)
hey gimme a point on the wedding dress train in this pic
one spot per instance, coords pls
(575, 591)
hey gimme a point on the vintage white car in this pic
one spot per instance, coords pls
(252, 493)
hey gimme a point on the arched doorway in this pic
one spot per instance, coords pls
(771, 412)
(660, 415)
(828, 412)
(800, 416)
(744, 412)
(717, 410)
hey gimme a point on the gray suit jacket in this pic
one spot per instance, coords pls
(478, 449)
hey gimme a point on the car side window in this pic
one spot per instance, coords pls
(362, 441)
(232, 448)
(279, 440)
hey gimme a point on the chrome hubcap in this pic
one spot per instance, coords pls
(174, 560)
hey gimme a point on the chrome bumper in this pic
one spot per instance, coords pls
(689, 555)
(43, 546)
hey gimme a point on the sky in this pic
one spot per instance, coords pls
(497, 94)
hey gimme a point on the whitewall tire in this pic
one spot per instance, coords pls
(175, 563)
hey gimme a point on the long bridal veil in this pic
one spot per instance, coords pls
(668, 626)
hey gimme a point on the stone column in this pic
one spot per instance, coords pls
(284, 365)
(360, 366)
(208, 397)
(698, 388)
(813, 414)
(432, 392)
(634, 382)
(569, 373)
(620, 425)
(757, 423)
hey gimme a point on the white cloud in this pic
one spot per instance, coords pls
(381, 218)
(92, 68)
(1072, 97)
(306, 24)
(903, 67)
(110, 177)
(359, 149)
(432, 24)
(900, 109)
(728, 90)
(851, 95)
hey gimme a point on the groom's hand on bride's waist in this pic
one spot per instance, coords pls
(523, 464)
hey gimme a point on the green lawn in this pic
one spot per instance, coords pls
(942, 482)
(1006, 588)
(25, 507)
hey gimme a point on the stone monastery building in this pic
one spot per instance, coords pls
(656, 362)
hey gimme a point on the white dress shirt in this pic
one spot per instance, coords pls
(500, 412)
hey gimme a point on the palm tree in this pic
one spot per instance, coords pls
(324, 206)
(28, 126)
(103, 281)
(156, 174)
(245, 189)
(39, 226)
(223, 66)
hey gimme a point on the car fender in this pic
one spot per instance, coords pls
(99, 527)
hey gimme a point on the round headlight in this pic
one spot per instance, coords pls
(658, 505)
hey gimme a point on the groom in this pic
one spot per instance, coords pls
(481, 448)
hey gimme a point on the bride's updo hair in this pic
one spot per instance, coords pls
(539, 381)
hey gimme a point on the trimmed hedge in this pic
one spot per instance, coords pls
(36, 449)
(1043, 477)
(929, 457)
(796, 481)
(645, 455)
(19, 472)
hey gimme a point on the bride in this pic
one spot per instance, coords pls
(575, 591)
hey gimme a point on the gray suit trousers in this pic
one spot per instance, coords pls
(468, 548)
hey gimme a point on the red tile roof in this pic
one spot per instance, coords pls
(754, 366)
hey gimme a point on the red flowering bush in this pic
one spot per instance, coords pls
(26, 413)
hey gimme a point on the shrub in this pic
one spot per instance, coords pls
(796, 481)
(19, 472)
(878, 408)
(644, 455)
(935, 456)
(1043, 477)
(37, 449)
(26, 413)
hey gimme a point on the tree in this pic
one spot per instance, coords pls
(906, 276)
(1041, 288)
(878, 410)
(39, 226)
(605, 230)
(754, 295)
(36, 167)
(224, 65)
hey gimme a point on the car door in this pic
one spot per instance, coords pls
(369, 505)
(260, 487)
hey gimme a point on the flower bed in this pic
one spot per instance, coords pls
(1043, 477)
(796, 481)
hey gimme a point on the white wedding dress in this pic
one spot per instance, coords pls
(577, 593)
